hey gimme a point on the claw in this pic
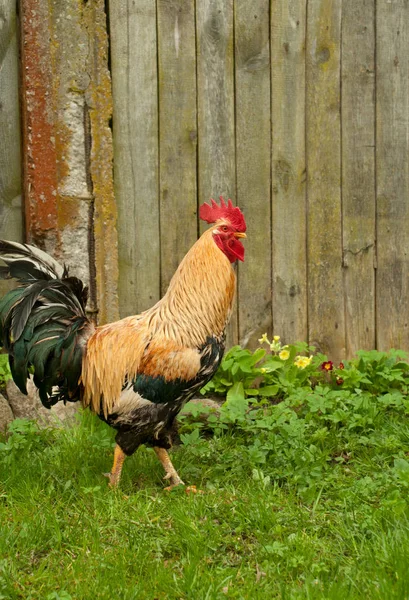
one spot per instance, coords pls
(169, 488)
(113, 479)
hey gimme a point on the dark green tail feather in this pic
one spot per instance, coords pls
(43, 325)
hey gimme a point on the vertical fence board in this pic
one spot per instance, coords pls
(178, 133)
(358, 171)
(252, 60)
(135, 123)
(392, 174)
(215, 65)
(104, 244)
(11, 218)
(215, 77)
(11, 225)
(288, 169)
(325, 284)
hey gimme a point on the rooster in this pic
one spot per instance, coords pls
(137, 373)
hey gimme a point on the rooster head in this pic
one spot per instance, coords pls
(230, 226)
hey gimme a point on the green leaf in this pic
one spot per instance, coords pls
(273, 365)
(226, 382)
(268, 390)
(236, 393)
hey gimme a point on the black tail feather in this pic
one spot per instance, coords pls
(43, 323)
(27, 263)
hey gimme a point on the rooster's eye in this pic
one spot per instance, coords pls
(225, 228)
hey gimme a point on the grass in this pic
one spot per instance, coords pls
(266, 526)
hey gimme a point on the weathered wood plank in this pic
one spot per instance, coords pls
(99, 106)
(358, 171)
(215, 77)
(11, 217)
(215, 59)
(325, 278)
(135, 130)
(288, 169)
(392, 174)
(253, 158)
(178, 133)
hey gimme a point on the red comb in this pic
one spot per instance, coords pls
(213, 213)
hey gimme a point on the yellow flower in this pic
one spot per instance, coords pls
(263, 370)
(302, 361)
(284, 354)
(264, 339)
(276, 338)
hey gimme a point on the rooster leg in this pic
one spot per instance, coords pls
(170, 470)
(115, 474)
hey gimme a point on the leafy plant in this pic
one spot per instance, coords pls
(5, 373)
(374, 371)
(301, 417)
(270, 373)
(24, 435)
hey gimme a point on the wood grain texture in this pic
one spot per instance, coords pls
(11, 217)
(135, 130)
(358, 171)
(178, 133)
(215, 76)
(216, 129)
(392, 174)
(323, 134)
(288, 169)
(99, 99)
(253, 160)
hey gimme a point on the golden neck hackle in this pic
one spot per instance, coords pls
(200, 296)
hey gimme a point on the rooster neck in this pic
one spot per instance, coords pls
(198, 302)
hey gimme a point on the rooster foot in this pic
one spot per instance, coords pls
(115, 475)
(113, 479)
(174, 480)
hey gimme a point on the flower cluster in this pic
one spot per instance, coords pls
(283, 351)
(328, 366)
(302, 361)
(275, 345)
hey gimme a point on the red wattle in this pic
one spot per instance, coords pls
(231, 247)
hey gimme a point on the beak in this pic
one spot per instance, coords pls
(239, 234)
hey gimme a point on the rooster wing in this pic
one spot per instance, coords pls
(167, 378)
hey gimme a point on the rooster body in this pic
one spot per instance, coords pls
(136, 373)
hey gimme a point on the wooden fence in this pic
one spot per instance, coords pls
(299, 111)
